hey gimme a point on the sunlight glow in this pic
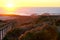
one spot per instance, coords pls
(9, 13)
(9, 5)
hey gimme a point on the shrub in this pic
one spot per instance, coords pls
(47, 33)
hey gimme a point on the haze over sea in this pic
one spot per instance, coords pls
(39, 10)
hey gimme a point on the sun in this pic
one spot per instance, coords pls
(9, 5)
(9, 8)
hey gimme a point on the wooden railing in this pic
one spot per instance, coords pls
(7, 27)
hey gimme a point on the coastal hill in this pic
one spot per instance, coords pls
(23, 25)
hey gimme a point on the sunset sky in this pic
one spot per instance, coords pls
(30, 3)
(13, 5)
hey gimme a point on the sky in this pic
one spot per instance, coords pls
(23, 6)
(30, 3)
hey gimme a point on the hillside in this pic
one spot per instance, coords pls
(23, 25)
